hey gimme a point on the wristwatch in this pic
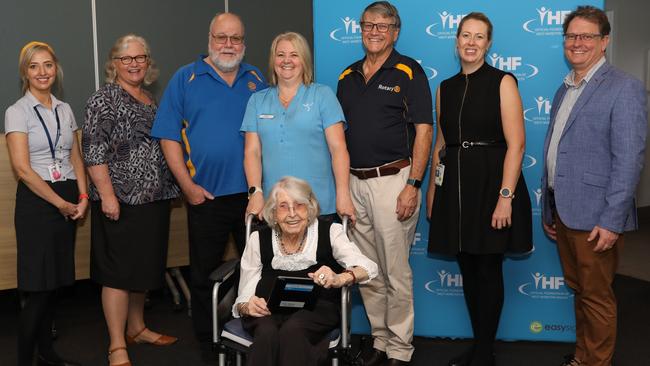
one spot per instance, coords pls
(252, 190)
(414, 182)
(506, 193)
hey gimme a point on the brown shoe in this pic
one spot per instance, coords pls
(163, 340)
(110, 352)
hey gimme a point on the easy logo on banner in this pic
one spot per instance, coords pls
(527, 41)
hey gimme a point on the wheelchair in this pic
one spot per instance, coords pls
(232, 341)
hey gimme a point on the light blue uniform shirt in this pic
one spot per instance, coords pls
(293, 139)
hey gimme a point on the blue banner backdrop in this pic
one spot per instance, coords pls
(527, 41)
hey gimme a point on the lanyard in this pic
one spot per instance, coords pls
(47, 133)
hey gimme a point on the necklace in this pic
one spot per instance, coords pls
(285, 102)
(278, 238)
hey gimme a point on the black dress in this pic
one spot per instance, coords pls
(463, 205)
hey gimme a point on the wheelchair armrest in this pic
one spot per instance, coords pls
(345, 317)
(224, 271)
(219, 276)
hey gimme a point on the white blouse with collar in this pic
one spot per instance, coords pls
(346, 253)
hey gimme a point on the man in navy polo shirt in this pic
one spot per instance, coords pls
(198, 123)
(387, 104)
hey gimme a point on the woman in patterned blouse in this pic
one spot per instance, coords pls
(130, 192)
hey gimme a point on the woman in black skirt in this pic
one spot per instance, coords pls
(51, 196)
(130, 192)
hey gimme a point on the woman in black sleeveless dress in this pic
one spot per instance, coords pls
(296, 244)
(479, 207)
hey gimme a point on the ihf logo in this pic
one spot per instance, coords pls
(446, 25)
(537, 208)
(543, 287)
(429, 71)
(447, 284)
(528, 161)
(540, 112)
(514, 65)
(548, 22)
(350, 32)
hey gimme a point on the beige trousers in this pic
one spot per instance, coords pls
(388, 298)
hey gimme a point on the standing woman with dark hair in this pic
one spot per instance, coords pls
(130, 192)
(477, 199)
(51, 196)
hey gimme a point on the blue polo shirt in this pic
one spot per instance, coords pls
(202, 112)
(293, 139)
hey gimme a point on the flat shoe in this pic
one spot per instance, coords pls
(163, 340)
(110, 352)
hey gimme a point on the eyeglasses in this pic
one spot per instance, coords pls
(475, 37)
(587, 37)
(222, 39)
(285, 208)
(381, 27)
(127, 60)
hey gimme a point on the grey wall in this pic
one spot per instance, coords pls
(177, 32)
(630, 46)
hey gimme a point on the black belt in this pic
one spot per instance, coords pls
(381, 171)
(468, 144)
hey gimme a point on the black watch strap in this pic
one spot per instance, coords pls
(414, 182)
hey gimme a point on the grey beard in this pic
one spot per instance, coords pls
(227, 66)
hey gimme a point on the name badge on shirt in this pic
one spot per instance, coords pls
(440, 174)
(266, 116)
(55, 172)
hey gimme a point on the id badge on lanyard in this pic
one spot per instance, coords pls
(53, 169)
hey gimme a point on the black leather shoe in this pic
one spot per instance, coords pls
(42, 361)
(396, 362)
(373, 358)
(461, 360)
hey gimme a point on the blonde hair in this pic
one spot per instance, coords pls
(27, 53)
(302, 48)
(120, 45)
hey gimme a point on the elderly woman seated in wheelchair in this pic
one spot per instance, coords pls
(297, 244)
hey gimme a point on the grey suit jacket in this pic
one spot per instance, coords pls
(600, 154)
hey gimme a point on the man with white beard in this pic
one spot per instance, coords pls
(198, 124)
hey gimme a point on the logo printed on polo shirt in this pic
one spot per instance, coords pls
(252, 86)
(308, 106)
(395, 89)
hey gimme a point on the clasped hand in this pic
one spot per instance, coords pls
(325, 277)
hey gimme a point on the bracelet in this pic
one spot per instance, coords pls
(82, 196)
(354, 278)
(241, 309)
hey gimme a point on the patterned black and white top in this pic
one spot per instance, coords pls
(117, 132)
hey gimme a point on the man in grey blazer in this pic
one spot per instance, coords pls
(594, 153)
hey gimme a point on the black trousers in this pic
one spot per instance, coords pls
(298, 339)
(210, 225)
(35, 326)
(483, 289)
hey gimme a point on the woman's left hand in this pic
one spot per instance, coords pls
(82, 206)
(325, 277)
(501, 217)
